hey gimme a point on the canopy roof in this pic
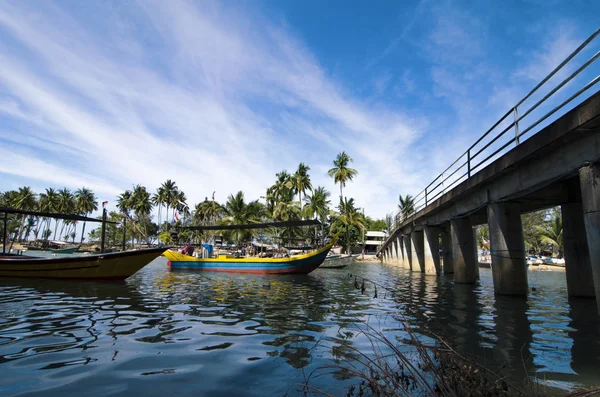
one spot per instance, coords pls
(254, 225)
(69, 217)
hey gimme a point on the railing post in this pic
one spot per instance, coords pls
(516, 113)
(469, 163)
(425, 197)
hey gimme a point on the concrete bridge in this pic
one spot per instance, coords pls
(555, 161)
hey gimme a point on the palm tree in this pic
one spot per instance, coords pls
(159, 199)
(349, 216)
(238, 212)
(124, 202)
(65, 204)
(170, 190)
(86, 203)
(141, 204)
(48, 202)
(406, 205)
(300, 181)
(25, 199)
(552, 233)
(317, 204)
(341, 173)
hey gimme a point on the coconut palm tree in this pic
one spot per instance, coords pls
(25, 199)
(340, 172)
(48, 202)
(238, 212)
(349, 216)
(65, 204)
(124, 202)
(552, 233)
(300, 181)
(406, 205)
(317, 204)
(159, 199)
(86, 203)
(170, 190)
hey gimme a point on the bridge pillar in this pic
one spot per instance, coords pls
(507, 247)
(432, 250)
(447, 252)
(406, 251)
(589, 178)
(397, 251)
(393, 253)
(464, 251)
(580, 281)
(418, 257)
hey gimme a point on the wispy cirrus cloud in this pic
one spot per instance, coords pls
(199, 94)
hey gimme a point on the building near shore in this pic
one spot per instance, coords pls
(373, 240)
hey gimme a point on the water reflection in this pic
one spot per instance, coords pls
(241, 334)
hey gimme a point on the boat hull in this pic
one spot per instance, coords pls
(338, 262)
(113, 266)
(71, 250)
(302, 264)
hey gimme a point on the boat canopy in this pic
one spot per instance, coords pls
(308, 222)
(69, 217)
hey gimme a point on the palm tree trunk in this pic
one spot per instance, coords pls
(341, 194)
(82, 232)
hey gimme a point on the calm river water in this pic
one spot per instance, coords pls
(183, 333)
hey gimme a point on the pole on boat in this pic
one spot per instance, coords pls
(4, 234)
(103, 230)
(124, 232)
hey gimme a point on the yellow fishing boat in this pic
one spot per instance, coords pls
(102, 266)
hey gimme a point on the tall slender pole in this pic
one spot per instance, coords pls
(124, 231)
(103, 230)
(4, 234)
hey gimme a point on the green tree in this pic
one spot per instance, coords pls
(406, 205)
(551, 233)
(340, 172)
(86, 203)
(300, 181)
(349, 216)
(238, 212)
(317, 205)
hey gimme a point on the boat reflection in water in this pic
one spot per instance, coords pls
(199, 333)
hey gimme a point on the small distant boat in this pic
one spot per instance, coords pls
(66, 250)
(337, 261)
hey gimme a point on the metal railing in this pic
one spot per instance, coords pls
(489, 147)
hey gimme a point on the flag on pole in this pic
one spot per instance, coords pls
(104, 203)
(176, 217)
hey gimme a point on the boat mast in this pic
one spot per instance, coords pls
(4, 236)
(103, 230)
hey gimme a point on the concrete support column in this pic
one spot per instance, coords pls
(507, 249)
(432, 250)
(416, 237)
(400, 251)
(396, 252)
(580, 281)
(589, 179)
(464, 251)
(447, 252)
(408, 251)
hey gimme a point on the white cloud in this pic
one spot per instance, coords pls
(215, 100)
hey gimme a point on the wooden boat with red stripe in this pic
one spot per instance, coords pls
(107, 266)
(300, 264)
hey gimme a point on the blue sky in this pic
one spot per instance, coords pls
(220, 96)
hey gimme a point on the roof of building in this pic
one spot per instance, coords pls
(376, 234)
